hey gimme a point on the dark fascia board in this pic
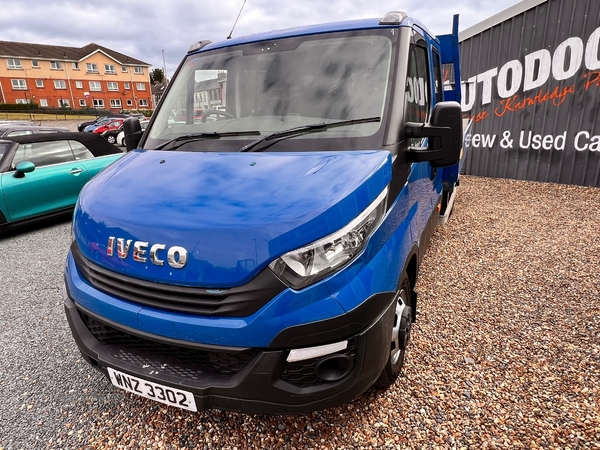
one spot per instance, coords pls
(497, 19)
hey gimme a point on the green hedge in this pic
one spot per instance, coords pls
(18, 107)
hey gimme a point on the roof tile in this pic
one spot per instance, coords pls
(10, 49)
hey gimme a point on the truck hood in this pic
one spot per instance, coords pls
(232, 213)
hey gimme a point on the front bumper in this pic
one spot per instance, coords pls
(251, 380)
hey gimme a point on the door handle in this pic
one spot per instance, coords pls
(75, 171)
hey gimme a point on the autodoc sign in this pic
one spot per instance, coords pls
(533, 93)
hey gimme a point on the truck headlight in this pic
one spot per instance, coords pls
(311, 263)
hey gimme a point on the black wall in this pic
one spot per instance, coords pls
(532, 86)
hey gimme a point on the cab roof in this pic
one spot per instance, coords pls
(331, 27)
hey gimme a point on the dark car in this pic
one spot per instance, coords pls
(11, 129)
(41, 174)
(111, 135)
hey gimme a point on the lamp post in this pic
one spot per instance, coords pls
(27, 102)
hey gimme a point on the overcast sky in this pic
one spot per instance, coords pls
(144, 29)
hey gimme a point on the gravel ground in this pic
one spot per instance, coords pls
(505, 352)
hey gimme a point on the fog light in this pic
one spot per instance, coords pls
(334, 367)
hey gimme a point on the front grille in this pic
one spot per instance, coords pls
(178, 361)
(235, 302)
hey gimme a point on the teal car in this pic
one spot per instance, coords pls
(41, 175)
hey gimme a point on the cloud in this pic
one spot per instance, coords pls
(144, 28)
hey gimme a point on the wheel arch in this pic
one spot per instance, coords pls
(411, 266)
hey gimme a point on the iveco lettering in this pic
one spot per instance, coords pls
(279, 203)
(176, 256)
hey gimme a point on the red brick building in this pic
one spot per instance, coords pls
(88, 77)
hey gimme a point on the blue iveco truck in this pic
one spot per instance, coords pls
(257, 248)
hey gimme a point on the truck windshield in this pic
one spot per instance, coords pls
(267, 87)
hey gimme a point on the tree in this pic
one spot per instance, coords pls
(157, 75)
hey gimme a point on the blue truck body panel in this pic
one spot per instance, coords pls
(275, 273)
(254, 207)
(376, 270)
(332, 27)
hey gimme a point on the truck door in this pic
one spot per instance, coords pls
(422, 189)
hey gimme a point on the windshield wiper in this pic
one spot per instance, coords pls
(186, 138)
(297, 131)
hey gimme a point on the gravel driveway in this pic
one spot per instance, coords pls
(505, 352)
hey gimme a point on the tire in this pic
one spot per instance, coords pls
(400, 335)
(111, 139)
(123, 142)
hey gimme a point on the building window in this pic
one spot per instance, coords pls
(35, 64)
(110, 69)
(39, 83)
(56, 65)
(63, 103)
(123, 68)
(18, 84)
(129, 102)
(144, 103)
(139, 70)
(126, 85)
(14, 63)
(113, 86)
(60, 84)
(98, 103)
(22, 101)
(82, 102)
(115, 103)
(95, 86)
(140, 86)
(91, 67)
(43, 103)
(75, 66)
(79, 84)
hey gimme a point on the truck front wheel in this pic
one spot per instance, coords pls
(400, 335)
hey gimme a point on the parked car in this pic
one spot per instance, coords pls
(113, 125)
(111, 135)
(82, 126)
(10, 130)
(121, 135)
(41, 174)
(92, 127)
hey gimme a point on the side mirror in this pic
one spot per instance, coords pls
(444, 133)
(23, 168)
(133, 133)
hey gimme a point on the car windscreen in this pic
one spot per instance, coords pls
(3, 148)
(269, 87)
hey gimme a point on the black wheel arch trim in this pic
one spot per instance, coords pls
(337, 328)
